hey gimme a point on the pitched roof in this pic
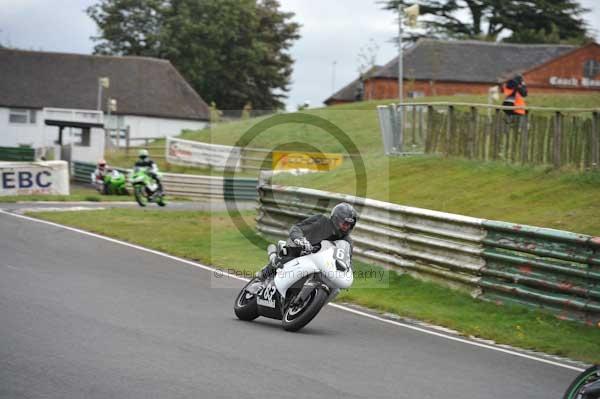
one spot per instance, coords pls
(141, 85)
(348, 92)
(469, 60)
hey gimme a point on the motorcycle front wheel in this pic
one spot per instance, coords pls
(140, 197)
(575, 390)
(297, 316)
(245, 306)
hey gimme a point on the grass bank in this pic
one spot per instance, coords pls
(526, 195)
(214, 239)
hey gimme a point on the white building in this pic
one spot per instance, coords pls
(152, 100)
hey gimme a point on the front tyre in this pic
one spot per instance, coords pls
(245, 306)
(297, 316)
(587, 377)
(140, 198)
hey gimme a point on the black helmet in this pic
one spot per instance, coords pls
(344, 218)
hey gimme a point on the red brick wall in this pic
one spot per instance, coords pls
(388, 88)
(567, 66)
(570, 65)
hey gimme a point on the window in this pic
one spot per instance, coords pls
(591, 68)
(415, 94)
(19, 115)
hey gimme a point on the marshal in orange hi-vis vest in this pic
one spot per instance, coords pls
(515, 91)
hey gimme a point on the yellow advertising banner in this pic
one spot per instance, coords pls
(315, 161)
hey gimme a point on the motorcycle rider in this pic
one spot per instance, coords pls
(311, 231)
(99, 173)
(144, 161)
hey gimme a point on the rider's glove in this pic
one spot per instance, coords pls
(304, 244)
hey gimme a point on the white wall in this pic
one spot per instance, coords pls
(38, 135)
(144, 126)
(13, 134)
(92, 153)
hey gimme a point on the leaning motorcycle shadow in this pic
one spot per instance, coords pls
(268, 324)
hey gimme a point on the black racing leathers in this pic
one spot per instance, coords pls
(152, 169)
(316, 229)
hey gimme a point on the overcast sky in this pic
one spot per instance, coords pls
(330, 33)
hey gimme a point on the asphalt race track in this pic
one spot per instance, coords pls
(84, 317)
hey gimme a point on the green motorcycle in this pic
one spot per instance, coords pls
(145, 188)
(113, 183)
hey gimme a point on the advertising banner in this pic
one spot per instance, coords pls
(30, 178)
(312, 161)
(195, 153)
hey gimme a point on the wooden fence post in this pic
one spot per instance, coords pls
(472, 133)
(595, 140)
(422, 140)
(414, 127)
(449, 130)
(127, 139)
(557, 140)
(430, 141)
(524, 139)
(495, 142)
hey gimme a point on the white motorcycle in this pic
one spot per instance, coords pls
(300, 288)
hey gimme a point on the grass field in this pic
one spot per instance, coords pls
(213, 239)
(537, 196)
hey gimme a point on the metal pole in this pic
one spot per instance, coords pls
(118, 132)
(99, 94)
(333, 77)
(107, 133)
(400, 79)
(400, 72)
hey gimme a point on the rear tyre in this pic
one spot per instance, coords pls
(296, 317)
(161, 201)
(245, 306)
(139, 195)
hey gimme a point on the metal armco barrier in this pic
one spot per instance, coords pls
(191, 186)
(496, 261)
(553, 269)
(200, 187)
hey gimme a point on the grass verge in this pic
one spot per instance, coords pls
(214, 239)
(77, 194)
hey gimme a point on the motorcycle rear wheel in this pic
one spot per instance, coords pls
(296, 317)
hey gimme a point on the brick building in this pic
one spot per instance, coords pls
(437, 67)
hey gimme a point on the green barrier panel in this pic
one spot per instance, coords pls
(545, 268)
(240, 189)
(17, 154)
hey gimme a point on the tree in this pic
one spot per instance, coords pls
(230, 51)
(367, 58)
(128, 27)
(489, 19)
